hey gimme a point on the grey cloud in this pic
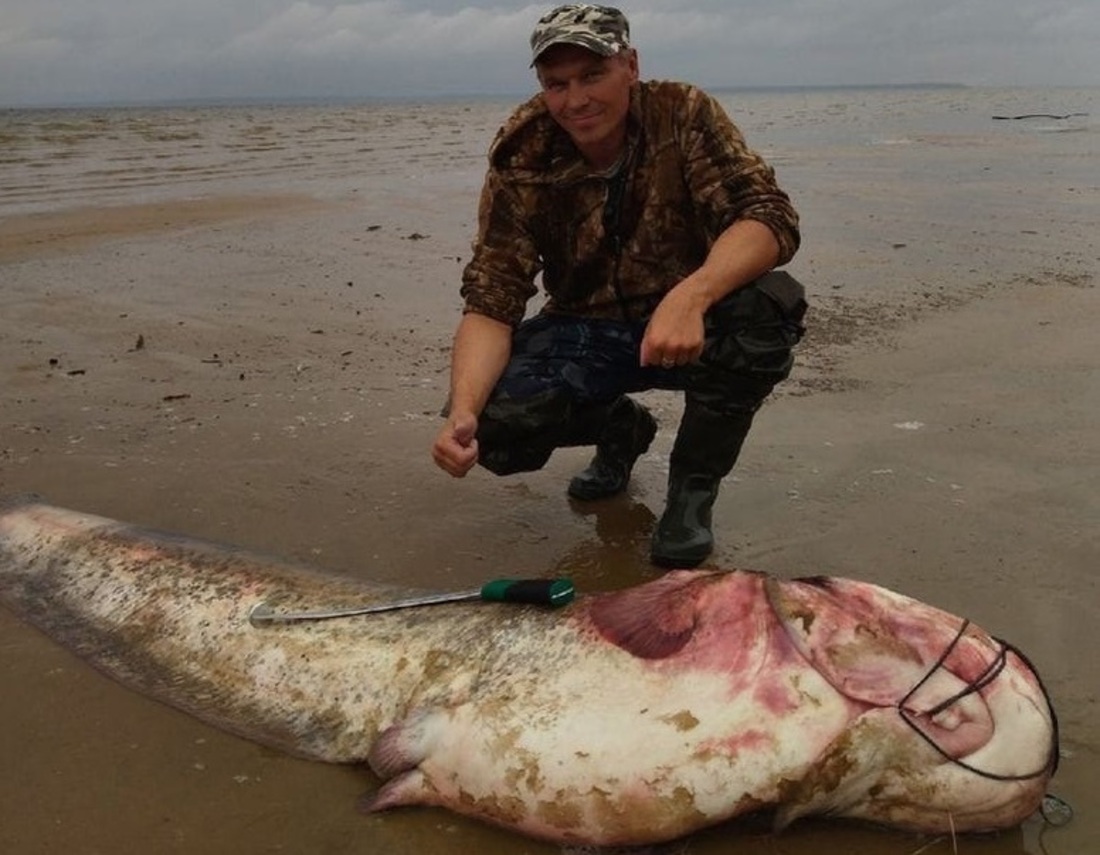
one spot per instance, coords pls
(116, 50)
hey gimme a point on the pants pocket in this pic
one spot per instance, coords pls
(753, 331)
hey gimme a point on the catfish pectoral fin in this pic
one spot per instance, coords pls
(404, 745)
(411, 788)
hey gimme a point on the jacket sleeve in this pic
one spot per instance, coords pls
(500, 277)
(730, 181)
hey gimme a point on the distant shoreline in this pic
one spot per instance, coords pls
(508, 98)
(433, 97)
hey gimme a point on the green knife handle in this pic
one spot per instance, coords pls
(540, 592)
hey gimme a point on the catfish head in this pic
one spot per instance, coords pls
(957, 733)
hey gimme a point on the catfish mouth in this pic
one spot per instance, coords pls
(1055, 755)
(976, 685)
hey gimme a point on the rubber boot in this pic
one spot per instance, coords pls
(706, 447)
(625, 435)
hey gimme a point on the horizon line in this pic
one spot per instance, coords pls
(424, 96)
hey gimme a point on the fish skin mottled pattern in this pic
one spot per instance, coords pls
(168, 616)
(629, 717)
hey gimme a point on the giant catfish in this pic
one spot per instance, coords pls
(628, 717)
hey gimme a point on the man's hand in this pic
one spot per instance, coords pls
(455, 448)
(675, 335)
(481, 350)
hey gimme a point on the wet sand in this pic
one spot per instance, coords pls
(237, 327)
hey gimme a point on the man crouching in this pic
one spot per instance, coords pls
(656, 231)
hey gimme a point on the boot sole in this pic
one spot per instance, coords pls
(583, 493)
(683, 561)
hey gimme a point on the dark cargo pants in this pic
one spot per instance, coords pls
(562, 365)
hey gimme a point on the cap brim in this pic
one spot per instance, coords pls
(590, 43)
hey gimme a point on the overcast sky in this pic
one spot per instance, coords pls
(79, 51)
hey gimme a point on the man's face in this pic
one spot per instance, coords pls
(589, 96)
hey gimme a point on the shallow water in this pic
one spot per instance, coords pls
(73, 157)
(58, 158)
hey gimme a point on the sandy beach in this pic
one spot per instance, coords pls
(234, 323)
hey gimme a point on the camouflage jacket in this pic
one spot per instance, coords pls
(687, 177)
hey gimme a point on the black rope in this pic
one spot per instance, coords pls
(991, 672)
(617, 184)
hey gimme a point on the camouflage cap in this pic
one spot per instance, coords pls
(601, 29)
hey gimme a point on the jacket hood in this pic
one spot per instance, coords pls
(532, 147)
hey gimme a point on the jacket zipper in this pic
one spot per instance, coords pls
(612, 223)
